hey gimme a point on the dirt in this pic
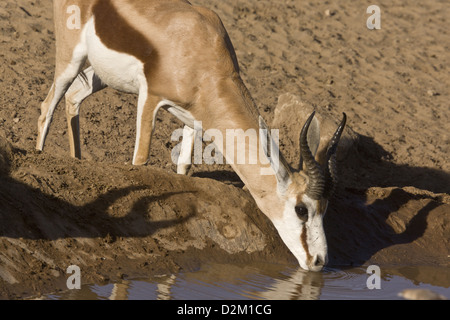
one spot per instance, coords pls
(117, 221)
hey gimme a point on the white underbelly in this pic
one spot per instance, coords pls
(118, 70)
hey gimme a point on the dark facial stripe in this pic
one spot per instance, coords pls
(303, 238)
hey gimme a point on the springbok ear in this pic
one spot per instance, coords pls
(313, 138)
(282, 173)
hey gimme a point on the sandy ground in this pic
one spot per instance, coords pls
(114, 220)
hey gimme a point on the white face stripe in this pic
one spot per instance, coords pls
(289, 227)
(306, 240)
(310, 203)
(316, 238)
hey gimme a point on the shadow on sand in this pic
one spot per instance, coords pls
(28, 213)
(357, 220)
(356, 226)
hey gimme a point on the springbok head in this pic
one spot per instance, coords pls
(303, 195)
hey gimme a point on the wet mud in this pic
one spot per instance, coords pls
(117, 221)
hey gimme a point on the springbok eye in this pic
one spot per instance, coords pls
(302, 213)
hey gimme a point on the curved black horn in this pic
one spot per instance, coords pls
(316, 184)
(331, 170)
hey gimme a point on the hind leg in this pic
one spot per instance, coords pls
(64, 76)
(84, 85)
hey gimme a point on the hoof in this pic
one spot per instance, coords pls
(140, 162)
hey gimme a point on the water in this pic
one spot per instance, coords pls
(280, 282)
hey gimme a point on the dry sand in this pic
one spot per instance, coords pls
(114, 220)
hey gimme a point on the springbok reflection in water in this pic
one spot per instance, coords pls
(264, 281)
(232, 283)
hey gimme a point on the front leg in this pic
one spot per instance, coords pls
(144, 127)
(185, 158)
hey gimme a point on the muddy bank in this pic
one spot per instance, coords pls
(116, 221)
(383, 211)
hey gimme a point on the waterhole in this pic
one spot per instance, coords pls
(264, 281)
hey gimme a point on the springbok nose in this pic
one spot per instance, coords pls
(317, 263)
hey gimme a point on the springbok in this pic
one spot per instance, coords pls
(179, 57)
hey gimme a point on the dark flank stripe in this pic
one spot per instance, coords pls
(118, 35)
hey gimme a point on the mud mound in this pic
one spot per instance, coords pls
(389, 226)
(291, 113)
(117, 219)
(367, 220)
(114, 220)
